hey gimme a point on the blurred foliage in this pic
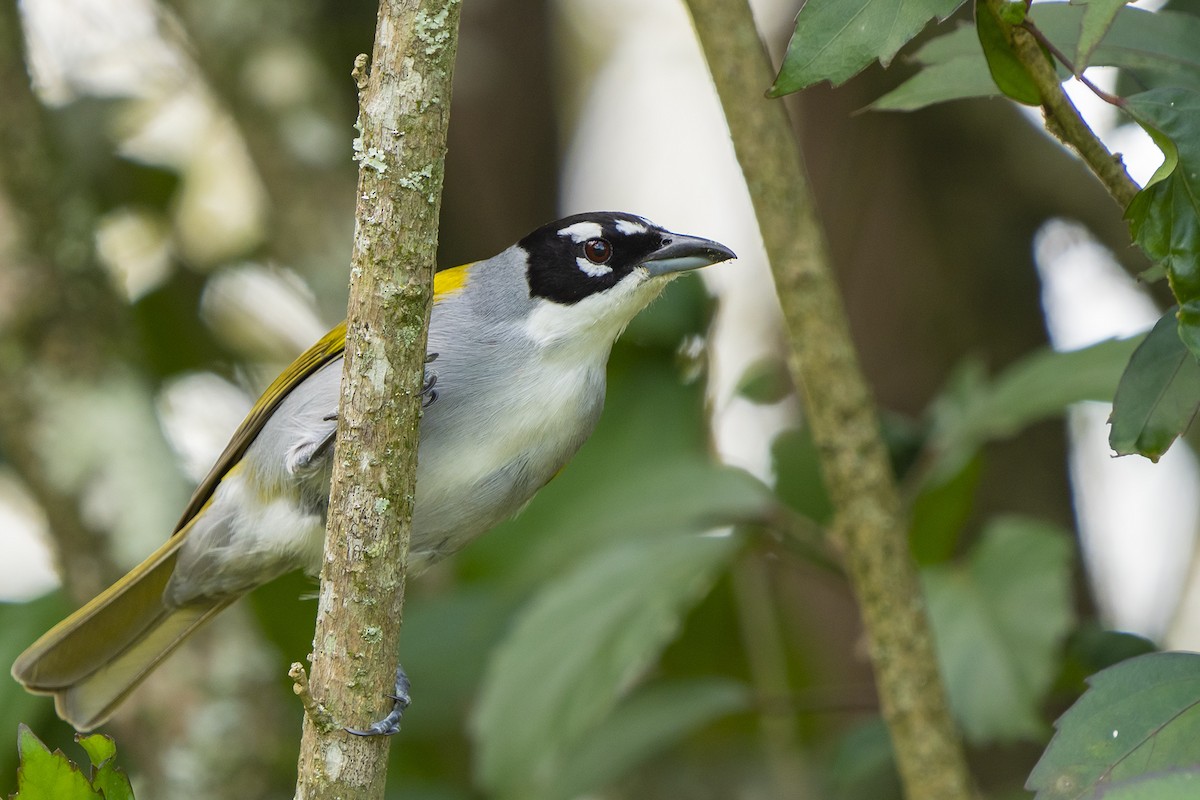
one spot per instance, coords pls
(597, 645)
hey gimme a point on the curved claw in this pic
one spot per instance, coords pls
(390, 725)
(428, 394)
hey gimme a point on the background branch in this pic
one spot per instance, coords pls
(404, 113)
(869, 527)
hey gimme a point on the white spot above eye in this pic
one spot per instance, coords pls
(593, 270)
(629, 228)
(582, 231)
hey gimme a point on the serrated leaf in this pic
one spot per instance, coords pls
(1006, 68)
(1098, 16)
(647, 723)
(1137, 718)
(1158, 394)
(999, 622)
(835, 41)
(582, 642)
(100, 748)
(1157, 48)
(1165, 216)
(48, 776)
(106, 777)
(1044, 383)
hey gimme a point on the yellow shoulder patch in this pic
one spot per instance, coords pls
(450, 281)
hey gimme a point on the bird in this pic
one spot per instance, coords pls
(518, 346)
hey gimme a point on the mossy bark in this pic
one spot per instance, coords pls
(404, 112)
(869, 527)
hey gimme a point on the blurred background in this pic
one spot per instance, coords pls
(176, 209)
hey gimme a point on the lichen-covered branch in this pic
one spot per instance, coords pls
(404, 104)
(869, 527)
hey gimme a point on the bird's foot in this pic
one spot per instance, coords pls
(390, 725)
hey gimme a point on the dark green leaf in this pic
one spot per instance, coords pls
(999, 622)
(863, 766)
(798, 480)
(1165, 215)
(940, 511)
(835, 41)
(765, 381)
(1158, 394)
(1157, 49)
(647, 723)
(1006, 68)
(1138, 718)
(1098, 16)
(48, 776)
(581, 643)
(1091, 648)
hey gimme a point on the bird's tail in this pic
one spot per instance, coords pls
(94, 658)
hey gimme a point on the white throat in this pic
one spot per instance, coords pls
(589, 328)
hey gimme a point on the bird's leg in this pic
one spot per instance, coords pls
(390, 724)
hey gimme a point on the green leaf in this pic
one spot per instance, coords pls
(647, 723)
(106, 777)
(1091, 648)
(940, 82)
(798, 480)
(48, 776)
(999, 622)
(973, 410)
(1172, 785)
(1098, 16)
(1138, 718)
(100, 748)
(1158, 394)
(940, 511)
(1165, 215)
(764, 382)
(835, 41)
(863, 765)
(1156, 48)
(1006, 68)
(583, 641)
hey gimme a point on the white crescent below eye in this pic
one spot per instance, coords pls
(593, 270)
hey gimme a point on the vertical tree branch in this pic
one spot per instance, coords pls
(404, 112)
(869, 527)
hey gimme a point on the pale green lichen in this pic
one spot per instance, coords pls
(432, 31)
(417, 179)
(371, 157)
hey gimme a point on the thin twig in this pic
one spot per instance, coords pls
(1077, 73)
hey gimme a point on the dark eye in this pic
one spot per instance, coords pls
(598, 251)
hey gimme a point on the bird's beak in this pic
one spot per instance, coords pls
(680, 253)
